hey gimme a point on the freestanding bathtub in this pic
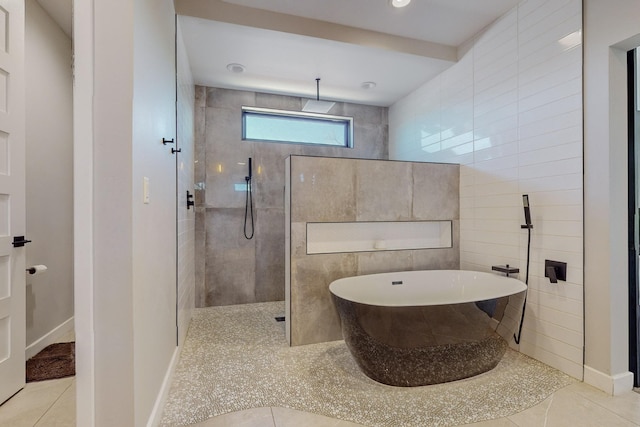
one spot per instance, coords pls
(416, 328)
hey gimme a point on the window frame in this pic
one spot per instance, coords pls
(259, 111)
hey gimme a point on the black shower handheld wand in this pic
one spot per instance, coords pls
(248, 206)
(527, 224)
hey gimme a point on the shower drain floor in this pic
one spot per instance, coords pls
(236, 358)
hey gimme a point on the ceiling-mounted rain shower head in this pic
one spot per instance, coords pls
(322, 107)
(317, 106)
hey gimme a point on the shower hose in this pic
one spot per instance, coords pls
(526, 282)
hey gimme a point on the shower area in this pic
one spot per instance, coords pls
(231, 269)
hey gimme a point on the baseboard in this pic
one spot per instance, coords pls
(612, 385)
(50, 337)
(163, 394)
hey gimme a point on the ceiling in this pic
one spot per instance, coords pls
(286, 44)
(450, 22)
(286, 63)
(60, 11)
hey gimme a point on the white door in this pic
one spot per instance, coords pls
(12, 198)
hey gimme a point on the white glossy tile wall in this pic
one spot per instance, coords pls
(510, 112)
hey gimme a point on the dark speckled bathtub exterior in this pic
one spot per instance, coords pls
(416, 346)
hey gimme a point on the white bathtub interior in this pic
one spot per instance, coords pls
(433, 287)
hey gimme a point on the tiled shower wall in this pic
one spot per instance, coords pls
(510, 112)
(229, 268)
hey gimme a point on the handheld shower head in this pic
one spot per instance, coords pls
(248, 177)
(528, 226)
(527, 212)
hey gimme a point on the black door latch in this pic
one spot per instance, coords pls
(20, 241)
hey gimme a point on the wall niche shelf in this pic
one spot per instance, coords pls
(339, 237)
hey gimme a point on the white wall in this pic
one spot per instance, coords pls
(84, 87)
(154, 239)
(111, 210)
(125, 80)
(186, 218)
(49, 175)
(609, 33)
(510, 111)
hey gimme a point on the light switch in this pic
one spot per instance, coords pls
(145, 190)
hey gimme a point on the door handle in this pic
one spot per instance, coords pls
(20, 241)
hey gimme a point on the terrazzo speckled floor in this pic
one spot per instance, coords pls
(236, 358)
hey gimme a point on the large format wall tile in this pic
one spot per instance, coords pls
(298, 239)
(200, 248)
(269, 240)
(230, 99)
(334, 190)
(314, 318)
(324, 190)
(384, 262)
(278, 102)
(384, 190)
(225, 154)
(230, 259)
(436, 192)
(369, 138)
(268, 172)
(220, 170)
(436, 259)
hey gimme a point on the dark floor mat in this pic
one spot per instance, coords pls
(55, 361)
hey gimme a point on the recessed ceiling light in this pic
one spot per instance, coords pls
(400, 3)
(236, 68)
(368, 85)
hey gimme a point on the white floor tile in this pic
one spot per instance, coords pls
(258, 417)
(566, 407)
(27, 407)
(626, 406)
(63, 411)
(285, 417)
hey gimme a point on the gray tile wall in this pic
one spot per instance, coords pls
(229, 268)
(343, 190)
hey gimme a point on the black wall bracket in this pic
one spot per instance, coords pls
(555, 270)
(176, 150)
(190, 201)
(166, 141)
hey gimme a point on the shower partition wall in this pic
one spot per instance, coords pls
(373, 203)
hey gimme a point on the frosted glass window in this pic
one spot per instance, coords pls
(261, 124)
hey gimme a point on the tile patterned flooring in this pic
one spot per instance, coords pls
(52, 404)
(308, 382)
(44, 403)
